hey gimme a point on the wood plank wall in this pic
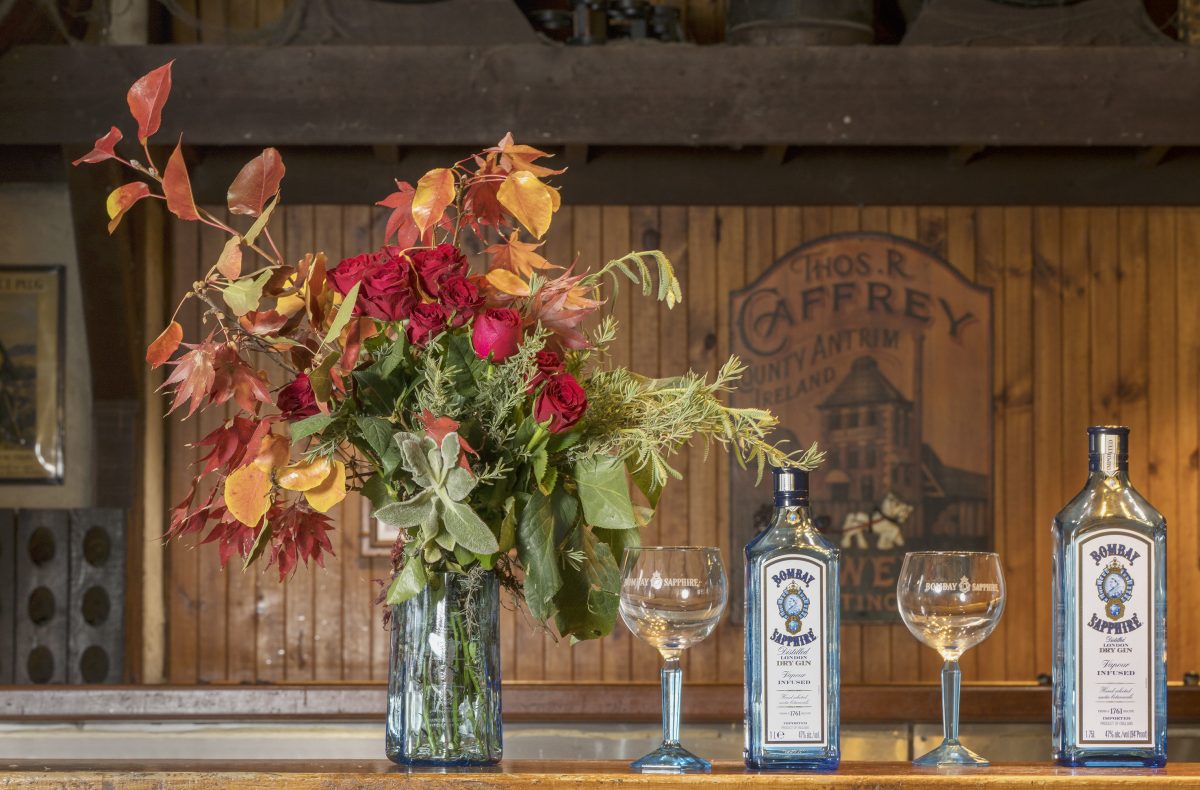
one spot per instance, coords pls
(1095, 321)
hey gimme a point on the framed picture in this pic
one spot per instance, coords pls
(32, 305)
(377, 539)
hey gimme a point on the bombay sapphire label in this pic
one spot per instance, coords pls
(1115, 633)
(794, 671)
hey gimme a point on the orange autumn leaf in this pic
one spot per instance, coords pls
(120, 200)
(146, 98)
(435, 191)
(520, 157)
(314, 290)
(248, 493)
(518, 256)
(273, 452)
(178, 187)
(506, 282)
(105, 148)
(529, 200)
(304, 475)
(230, 262)
(164, 345)
(331, 490)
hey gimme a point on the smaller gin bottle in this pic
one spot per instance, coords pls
(792, 620)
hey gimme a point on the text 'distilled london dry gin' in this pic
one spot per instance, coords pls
(791, 625)
(1110, 617)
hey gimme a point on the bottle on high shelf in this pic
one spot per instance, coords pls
(1110, 617)
(791, 625)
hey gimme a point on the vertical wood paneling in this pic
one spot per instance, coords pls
(1093, 321)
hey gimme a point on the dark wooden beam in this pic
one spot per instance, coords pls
(527, 702)
(664, 95)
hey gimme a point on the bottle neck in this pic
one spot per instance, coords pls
(1108, 452)
(794, 515)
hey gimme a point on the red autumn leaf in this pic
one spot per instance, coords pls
(561, 305)
(262, 322)
(236, 379)
(105, 148)
(234, 536)
(165, 344)
(193, 375)
(298, 534)
(178, 187)
(518, 256)
(521, 157)
(257, 183)
(400, 224)
(481, 204)
(146, 99)
(229, 443)
(230, 262)
(121, 198)
(185, 521)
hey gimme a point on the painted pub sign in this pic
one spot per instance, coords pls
(876, 348)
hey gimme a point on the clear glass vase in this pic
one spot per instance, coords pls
(444, 674)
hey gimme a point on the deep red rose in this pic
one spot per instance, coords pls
(548, 364)
(297, 400)
(342, 277)
(462, 296)
(496, 332)
(435, 265)
(427, 320)
(562, 401)
(387, 292)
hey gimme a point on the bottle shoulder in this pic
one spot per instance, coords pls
(776, 542)
(1101, 505)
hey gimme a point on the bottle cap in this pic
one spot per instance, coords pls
(791, 486)
(1108, 448)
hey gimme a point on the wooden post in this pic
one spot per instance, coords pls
(153, 657)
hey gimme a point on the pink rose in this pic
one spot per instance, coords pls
(562, 401)
(426, 321)
(497, 332)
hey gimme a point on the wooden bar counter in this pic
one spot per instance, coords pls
(68, 775)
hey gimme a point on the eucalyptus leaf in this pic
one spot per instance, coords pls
(604, 493)
(410, 581)
(467, 528)
(539, 556)
(260, 223)
(309, 425)
(342, 317)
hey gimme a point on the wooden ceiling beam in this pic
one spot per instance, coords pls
(666, 95)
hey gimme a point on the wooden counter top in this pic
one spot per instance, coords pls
(67, 775)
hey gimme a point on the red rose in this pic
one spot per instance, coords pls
(434, 266)
(562, 401)
(548, 364)
(387, 292)
(426, 321)
(297, 400)
(342, 277)
(460, 295)
(496, 332)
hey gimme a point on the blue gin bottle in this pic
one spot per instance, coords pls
(792, 621)
(1110, 617)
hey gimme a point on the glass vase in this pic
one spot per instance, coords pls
(444, 674)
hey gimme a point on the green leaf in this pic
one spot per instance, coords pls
(260, 223)
(538, 555)
(604, 493)
(388, 364)
(589, 597)
(450, 450)
(459, 483)
(618, 540)
(242, 296)
(375, 490)
(467, 528)
(391, 460)
(319, 378)
(410, 581)
(447, 542)
(309, 425)
(643, 478)
(415, 462)
(548, 480)
(261, 541)
(411, 513)
(463, 556)
(540, 459)
(377, 432)
(508, 526)
(344, 312)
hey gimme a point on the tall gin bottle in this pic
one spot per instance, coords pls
(792, 656)
(1110, 617)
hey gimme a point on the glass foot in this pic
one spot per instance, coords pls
(950, 754)
(671, 759)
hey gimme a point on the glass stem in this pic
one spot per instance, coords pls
(672, 686)
(951, 681)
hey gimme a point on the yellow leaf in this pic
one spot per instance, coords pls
(434, 192)
(304, 475)
(290, 304)
(273, 452)
(248, 493)
(505, 281)
(529, 200)
(518, 256)
(331, 491)
(230, 262)
(555, 197)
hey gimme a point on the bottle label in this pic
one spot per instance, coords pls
(1114, 632)
(794, 672)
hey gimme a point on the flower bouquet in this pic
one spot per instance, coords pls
(469, 401)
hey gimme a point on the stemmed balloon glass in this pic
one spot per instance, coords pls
(672, 598)
(951, 601)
